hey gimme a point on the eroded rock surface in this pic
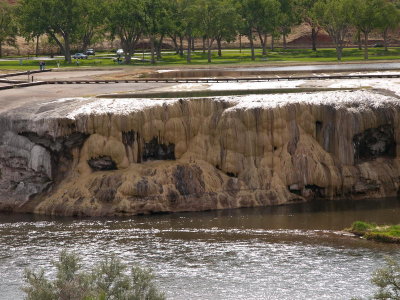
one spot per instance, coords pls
(102, 163)
(132, 156)
(374, 143)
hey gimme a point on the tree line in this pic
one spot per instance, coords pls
(68, 22)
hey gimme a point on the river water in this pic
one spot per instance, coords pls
(285, 252)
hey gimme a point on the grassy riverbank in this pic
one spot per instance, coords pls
(231, 56)
(371, 231)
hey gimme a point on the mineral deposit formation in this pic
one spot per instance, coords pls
(92, 156)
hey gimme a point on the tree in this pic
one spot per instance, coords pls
(109, 279)
(166, 24)
(176, 28)
(8, 28)
(205, 13)
(188, 12)
(247, 10)
(388, 18)
(215, 20)
(335, 17)
(227, 25)
(154, 18)
(365, 17)
(182, 24)
(267, 20)
(307, 14)
(92, 12)
(288, 18)
(59, 19)
(387, 279)
(126, 20)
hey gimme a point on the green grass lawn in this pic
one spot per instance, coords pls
(228, 57)
(370, 231)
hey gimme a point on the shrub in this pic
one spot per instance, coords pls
(388, 280)
(109, 279)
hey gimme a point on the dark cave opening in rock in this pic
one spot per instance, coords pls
(294, 189)
(374, 143)
(313, 191)
(102, 163)
(230, 174)
(154, 150)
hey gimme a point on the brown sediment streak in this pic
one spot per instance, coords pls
(135, 156)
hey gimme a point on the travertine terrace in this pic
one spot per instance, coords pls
(116, 156)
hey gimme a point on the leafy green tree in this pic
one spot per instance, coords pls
(59, 19)
(335, 17)
(92, 22)
(248, 13)
(267, 20)
(387, 279)
(388, 19)
(228, 23)
(154, 17)
(366, 17)
(108, 280)
(188, 9)
(205, 13)
(215, 21)
(8, 28)
(289, 17)
(176, 29)
(182, 24)
(307, 14)
(165, 25)
(126, 20)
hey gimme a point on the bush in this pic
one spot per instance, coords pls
(107, 280)
(388, 280)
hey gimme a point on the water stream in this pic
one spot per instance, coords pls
(286, 252)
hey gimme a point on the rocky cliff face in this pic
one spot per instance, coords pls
(132, 156)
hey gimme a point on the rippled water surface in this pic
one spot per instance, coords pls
(287, 252)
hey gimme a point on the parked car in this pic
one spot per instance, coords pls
(120, 52)
(90, 52)
(79, 56)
